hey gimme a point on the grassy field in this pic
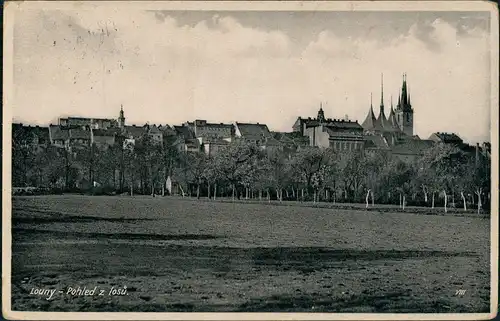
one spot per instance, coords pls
(188, 255)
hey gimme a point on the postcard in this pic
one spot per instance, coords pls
(186, 160)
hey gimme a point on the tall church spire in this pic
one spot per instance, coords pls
(370, 122)
(404, 112)
(382, 92)
(121, 118)
(382, 120)
(404, 93)
(398, 106)
(321, 113)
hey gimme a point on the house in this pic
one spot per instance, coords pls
(203, 136)
(155, 134)
(58, 136)
(201, 128)
(133, 132)
(446, 138)
(251, 131)
(186, 140)
(478, 151)
(104, 138)
(411, 149)
(167, 131)
(212, 146)
(258, 134)
(68, 138)
(78, 138)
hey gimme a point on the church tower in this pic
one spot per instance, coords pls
(321, 114)
(121, 118)
(382, 120)
(404, 110)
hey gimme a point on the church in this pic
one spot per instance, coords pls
(391, 134)
(400, 121)
(394, 134)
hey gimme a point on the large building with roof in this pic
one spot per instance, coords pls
(447, 138)
(186, 139)
(204, 136)
(339, 134)
(258, 134)
(202, 128)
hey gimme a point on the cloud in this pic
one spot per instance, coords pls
(218, 69)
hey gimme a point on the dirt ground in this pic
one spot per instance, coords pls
(188, 255)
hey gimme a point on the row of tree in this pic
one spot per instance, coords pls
(243, 170)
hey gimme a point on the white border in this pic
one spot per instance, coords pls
(10, 9)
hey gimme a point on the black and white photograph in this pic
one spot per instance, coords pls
(257, 160)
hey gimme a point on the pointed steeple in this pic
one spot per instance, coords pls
(321, 113)
(404, 94)
(382, 93)
(404, 111)
(398, 106)
(370, 122)
(393, 124)
(121, 118)
(382, 120)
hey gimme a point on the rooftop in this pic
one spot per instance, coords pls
(448, 137)
(253, 130)
(376, 142)
(134, 130)
(412, 147)
(79, 134)
(106, 132)
(184, 131)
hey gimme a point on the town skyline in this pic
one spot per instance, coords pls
(253, 67)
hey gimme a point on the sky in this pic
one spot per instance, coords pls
(168, 67)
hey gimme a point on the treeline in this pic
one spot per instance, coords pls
(443, 176)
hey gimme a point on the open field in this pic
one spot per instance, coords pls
(188, 255)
